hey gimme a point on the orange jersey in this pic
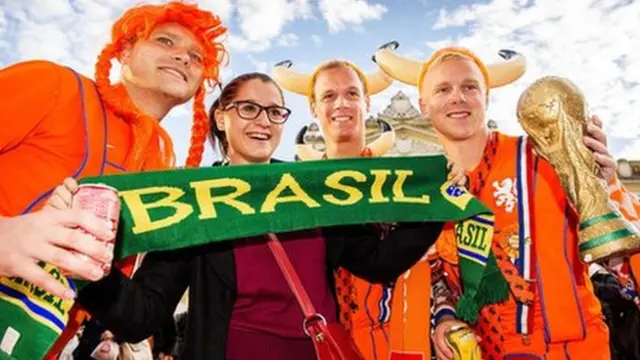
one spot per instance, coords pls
(627, 269)
(393, 322)
(54, 126)
(566, 318)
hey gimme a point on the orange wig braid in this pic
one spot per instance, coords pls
(152, 146)
(199, 129)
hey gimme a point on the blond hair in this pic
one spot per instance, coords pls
(335, 64)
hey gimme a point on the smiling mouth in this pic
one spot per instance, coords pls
(458, 114)
(259, 136)
(340, 119)
(175, 73)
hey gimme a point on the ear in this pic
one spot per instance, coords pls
(312, 108)
(423, 106)
(220, 117)
(367, 101)
(125, 54)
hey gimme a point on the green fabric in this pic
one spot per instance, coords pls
(188, 207)
(31, 320)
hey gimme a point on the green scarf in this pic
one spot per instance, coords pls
(189, 207)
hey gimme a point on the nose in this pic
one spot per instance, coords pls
(262, 119)
(458, 96)
(181, 56)
(340, 102)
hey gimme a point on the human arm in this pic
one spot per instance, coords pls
(133, 309)
(365, 255)
(445, 288)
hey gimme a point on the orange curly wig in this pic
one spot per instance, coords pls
(153, 148)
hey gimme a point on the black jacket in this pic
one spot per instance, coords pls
(134, 309)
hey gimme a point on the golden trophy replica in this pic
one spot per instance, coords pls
(463, 344)
(553, 112)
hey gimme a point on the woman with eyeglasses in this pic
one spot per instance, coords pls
(247, 119)
(240, 306)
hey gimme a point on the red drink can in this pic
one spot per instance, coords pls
(102, 201)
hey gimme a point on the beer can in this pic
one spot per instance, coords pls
(103, 202)
(463, 344)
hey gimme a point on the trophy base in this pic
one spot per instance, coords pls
(607, 236)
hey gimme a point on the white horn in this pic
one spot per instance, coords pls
(384, 142)
(291, 80)
(378, 82)
(398, 67)
(305, 151)
(505, 73)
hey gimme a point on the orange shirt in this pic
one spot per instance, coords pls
(629, 206)
(567, 314)
(54, 126)
(46, 136)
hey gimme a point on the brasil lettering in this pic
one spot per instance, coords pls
(188, 207)
(230, 192)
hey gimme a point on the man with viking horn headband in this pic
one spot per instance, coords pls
(59, 124)
(552, 310)
(338, 94)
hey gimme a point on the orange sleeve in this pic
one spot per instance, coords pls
(446, 246)
(29, 91)
(625, 201)
(629, 205)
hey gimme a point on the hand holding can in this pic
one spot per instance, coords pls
(103, 202)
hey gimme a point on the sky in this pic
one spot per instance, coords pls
(593, 43)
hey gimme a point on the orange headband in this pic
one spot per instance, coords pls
(451, 50)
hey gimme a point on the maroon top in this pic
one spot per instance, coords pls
(266, 322)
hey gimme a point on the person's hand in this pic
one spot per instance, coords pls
(62, 195)
(457, 175)
(107, 349)
(57, 237)
(443, 352)
(596, 141)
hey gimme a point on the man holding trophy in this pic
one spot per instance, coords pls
(552, 212)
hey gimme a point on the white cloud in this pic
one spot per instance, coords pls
(58, 31)
(48, 10)
(593, 43)
(316, 40)
(239, 43)
(340, 13)
(288, 40)
(261, 21)
(258, 65)
(222, 8)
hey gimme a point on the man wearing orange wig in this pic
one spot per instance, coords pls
(552, 311)
(59, 124)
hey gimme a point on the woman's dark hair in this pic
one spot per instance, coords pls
(227, 95)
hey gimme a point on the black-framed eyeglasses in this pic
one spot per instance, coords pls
(249, 110)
